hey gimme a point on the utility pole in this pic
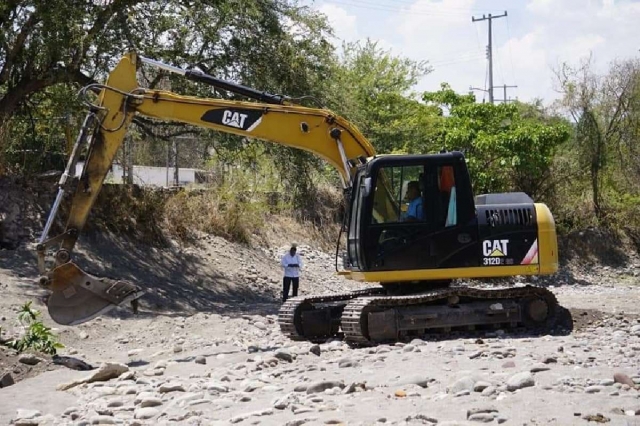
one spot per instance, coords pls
(176, 180)
(489, 48)
(504, 88)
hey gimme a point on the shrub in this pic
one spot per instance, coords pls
(37, 335)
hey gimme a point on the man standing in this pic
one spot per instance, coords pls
(291, 262)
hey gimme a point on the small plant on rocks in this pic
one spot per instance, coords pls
(37, 335)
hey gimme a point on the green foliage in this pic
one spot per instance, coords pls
(588, 172)
(606, 111)
(372, 88)
(37, 336)
(505, 149)
(55, 46)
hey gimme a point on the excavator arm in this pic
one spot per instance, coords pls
(76, 296)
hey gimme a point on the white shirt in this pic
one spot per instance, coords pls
(291, 271)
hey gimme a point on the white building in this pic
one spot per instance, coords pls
(153, 176)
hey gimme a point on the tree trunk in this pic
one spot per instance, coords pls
(12, 99)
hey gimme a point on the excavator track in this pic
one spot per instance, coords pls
(370, 319)
(290, 315)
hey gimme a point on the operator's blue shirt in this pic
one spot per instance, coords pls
(415, 209)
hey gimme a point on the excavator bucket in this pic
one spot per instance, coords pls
(77, 297)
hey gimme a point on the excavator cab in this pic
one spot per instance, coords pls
(384, 236)
(455, 235)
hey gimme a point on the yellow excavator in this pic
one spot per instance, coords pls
(412, 222)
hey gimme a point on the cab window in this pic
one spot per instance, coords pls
(398, 195)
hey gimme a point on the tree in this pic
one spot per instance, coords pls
(372, 88)
(274, 45)
(507, 146)
(605, 109)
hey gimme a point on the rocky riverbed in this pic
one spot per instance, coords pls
(227, 362)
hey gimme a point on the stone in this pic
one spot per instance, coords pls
(520, 381)
(217, 387)
(318, 387)
(150, 402)
(481, 386)
(400, 393)
(476, 354)
(481, 410)
(549, 360)
(419, 380)
(6, 380)
(29, 359)
(200, 360)
(283, 402)
(107, 371)
(424, 419)
(489, 391)
(346, 363)
(353, 387)
(537, 368)
(298, 422)
(284, 356)
(594, 389)
(509, 364)
(598, 418)
(260, 325)
(146, 413)
(27, 414)
(103, 420)
(623, 379)
(252, 385)
(315, 349)
(383, 349)
(482, 417)
(171, 387)
(464, 383)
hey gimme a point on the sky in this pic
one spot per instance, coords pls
(533, 40)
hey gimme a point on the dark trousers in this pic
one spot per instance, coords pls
(286, 283)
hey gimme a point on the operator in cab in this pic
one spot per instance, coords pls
(415, 211)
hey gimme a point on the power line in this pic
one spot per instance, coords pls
(399, 9)
(454, 62)
(489, 18)
(477, 37)
(513, 73)
(460, 9)
(470, 55)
